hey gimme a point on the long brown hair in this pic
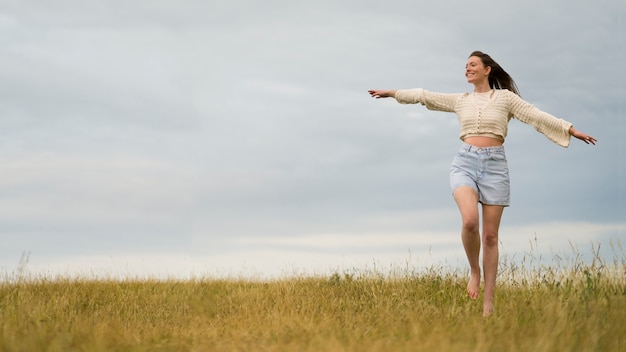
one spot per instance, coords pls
(498, 78)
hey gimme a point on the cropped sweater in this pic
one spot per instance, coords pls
(492, 118)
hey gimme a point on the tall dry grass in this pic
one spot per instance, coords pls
(575, 307)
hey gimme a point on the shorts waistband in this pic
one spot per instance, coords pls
(472, 148)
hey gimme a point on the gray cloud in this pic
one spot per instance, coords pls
(152, 127)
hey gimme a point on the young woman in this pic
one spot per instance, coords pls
(479, 172)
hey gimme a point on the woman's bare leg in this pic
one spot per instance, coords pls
(491, 223)
(467, 200)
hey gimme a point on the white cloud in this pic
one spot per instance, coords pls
(350, 242)
(387, 254)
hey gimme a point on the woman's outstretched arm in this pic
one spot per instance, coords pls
(379, 93)
(582, 136)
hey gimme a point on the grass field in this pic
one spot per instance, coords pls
(577, 307)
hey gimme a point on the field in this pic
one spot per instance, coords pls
(577, 307)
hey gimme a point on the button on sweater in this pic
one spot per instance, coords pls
(490, 118)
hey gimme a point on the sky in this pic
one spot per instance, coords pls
(201, 138)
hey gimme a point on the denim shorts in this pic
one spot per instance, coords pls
(485, 170)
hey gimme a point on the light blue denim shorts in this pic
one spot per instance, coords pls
(485, 170)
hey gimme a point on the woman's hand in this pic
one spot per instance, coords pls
(582, 136)
(378, 93)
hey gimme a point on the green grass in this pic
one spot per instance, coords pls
(578, 307)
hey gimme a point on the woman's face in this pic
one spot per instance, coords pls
(475, 70)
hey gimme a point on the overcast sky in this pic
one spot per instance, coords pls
(237, 138)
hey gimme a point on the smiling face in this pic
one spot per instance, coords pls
(475, 71)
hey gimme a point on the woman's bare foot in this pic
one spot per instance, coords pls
(487, 310)
(473, 286)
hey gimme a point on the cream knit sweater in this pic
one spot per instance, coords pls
(492, 118)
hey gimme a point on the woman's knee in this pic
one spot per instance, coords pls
(490, 237)
(470, 223)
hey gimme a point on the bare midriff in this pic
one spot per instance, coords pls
(482, 141)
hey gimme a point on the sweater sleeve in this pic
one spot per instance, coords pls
(555, 129)
(432, 101)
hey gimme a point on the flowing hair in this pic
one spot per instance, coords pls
(498, 78)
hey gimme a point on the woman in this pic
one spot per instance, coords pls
(479, 172)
